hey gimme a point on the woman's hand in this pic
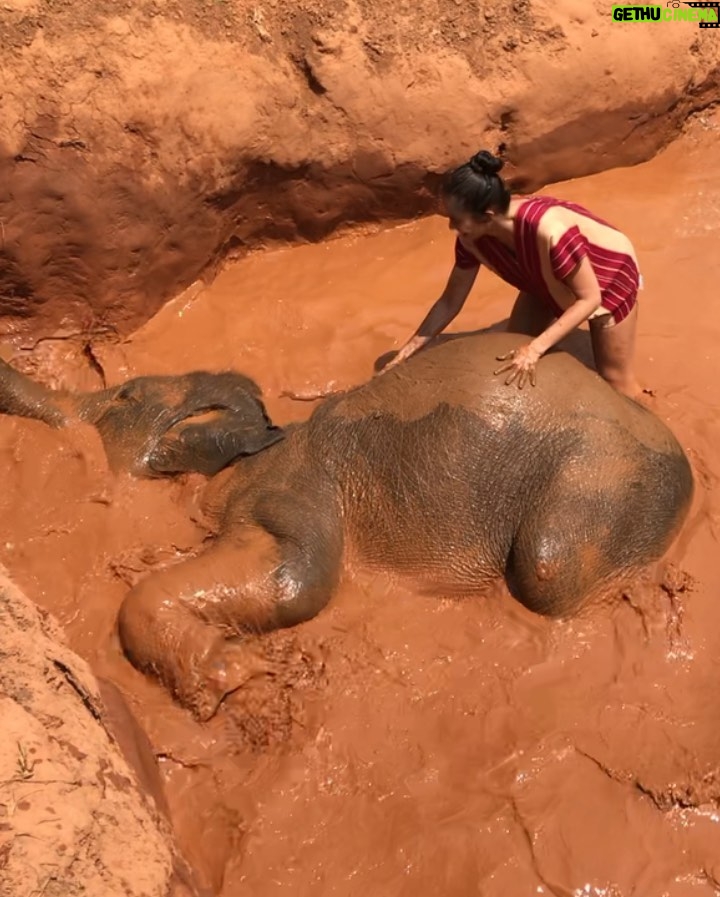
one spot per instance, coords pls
(522, 365)
(440, 315)
(410, 348)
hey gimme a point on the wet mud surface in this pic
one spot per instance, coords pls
(413, 744)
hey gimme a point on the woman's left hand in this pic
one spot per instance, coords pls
(521, 366)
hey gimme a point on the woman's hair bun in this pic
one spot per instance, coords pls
(485, 163)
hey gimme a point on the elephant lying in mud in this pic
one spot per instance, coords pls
(435, 470)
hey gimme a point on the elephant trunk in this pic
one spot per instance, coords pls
(90, 406)
(21, 396)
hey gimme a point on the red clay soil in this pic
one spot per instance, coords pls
(141, 143)
(77, 815)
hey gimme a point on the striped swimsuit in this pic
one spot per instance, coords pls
(544, 257)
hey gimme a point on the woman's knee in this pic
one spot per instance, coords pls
(621, 379)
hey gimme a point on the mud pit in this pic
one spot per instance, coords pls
(413, 744)
(410, 744)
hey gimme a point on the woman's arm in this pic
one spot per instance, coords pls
(444, 311)
(573, 267)
(584, 285)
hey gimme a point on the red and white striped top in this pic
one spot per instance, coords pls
(551, 238)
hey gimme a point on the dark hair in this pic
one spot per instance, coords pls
(477, 186)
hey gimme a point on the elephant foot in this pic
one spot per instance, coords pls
(227, 668)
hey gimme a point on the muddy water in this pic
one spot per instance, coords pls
(416, 745)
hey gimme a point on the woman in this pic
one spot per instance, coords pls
(568, 264)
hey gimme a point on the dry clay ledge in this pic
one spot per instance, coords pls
(73, 816)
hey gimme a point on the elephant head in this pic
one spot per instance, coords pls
(156, 425)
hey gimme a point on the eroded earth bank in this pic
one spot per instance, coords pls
(409, 744)
(141, 142)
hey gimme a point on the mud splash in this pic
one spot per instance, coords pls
(415, 745)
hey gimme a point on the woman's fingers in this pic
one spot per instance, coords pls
(502, 370)
(520, 370)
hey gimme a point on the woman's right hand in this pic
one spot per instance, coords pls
(410, 348)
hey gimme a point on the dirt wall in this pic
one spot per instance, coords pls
(73, 816)
(143, 142)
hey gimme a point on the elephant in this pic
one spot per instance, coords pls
(156, 426)
(435, 470)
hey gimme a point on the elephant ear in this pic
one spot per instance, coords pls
(208, 442)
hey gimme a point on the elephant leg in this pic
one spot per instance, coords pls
(601, 520)
(189, 625)
(563, 553)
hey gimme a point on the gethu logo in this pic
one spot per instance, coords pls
(706, 14)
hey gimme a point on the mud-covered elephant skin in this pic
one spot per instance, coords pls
(154, 426)
(435, 470)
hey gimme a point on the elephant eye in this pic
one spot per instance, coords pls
(126, 393)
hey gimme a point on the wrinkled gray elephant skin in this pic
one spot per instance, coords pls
(435, 470)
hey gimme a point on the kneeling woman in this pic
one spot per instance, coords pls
(569, 266)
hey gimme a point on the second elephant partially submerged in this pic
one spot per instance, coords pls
(435, 470)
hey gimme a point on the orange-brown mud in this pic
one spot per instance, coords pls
(414, 745)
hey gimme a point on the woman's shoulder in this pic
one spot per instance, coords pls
(559, 215)
(547, 216)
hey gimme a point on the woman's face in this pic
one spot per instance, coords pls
(466, 224)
